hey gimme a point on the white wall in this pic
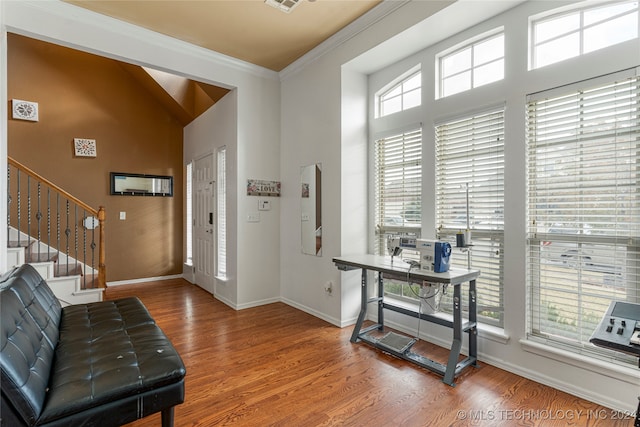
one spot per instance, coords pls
(310, 134)
(312, 131)
(257, 113)
(310, 97)
(258, 158)
(354, 185)
(215, 128)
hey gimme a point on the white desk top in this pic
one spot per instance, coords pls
(401, 269)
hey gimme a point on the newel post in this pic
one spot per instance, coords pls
(102, 269)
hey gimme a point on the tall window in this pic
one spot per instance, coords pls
(569, 34)
(398, 193)
(401, 96)
(583, 205)
(221, 241)
(470, 194)
(475, 64)
(189, 213)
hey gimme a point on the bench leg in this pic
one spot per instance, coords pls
(167, 417)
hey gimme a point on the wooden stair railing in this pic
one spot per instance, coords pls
(66, 240)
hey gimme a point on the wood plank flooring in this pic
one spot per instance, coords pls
(275, 365)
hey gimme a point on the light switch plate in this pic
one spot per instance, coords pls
(123, 215)
(264, 205)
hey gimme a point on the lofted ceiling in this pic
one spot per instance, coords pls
(249, 30)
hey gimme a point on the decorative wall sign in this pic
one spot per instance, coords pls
(25, 110)
(256, 187)
(85, 147)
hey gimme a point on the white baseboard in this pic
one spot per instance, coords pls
(225, 301)
(315, 313)
(143, 280)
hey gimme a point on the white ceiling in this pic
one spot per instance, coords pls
(249, 30)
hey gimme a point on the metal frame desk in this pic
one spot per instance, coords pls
(399, 270)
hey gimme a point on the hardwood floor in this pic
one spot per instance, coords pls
(277, 366)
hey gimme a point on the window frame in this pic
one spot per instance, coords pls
(399, 83)
(189, 213)
(221, 213)
(472, 44)
(475, 141)
(588, 244)
(580, 31)
(413, 136)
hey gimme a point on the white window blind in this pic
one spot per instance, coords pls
(398, 181)
(221, 244)
(583, 205)
(470, 184)
(398, 194)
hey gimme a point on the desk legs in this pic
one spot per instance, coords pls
(363, 306)
(364, 302)
(473, 320)
(456, 345)
(453, 366)
(380, 302)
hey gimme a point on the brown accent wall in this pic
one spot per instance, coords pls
(81, 95)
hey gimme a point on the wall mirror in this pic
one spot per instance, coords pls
(311, 209)
(133, 184)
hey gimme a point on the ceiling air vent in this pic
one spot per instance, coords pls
(284, 5)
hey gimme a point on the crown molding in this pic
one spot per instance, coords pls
(22, 17)
(353, 29)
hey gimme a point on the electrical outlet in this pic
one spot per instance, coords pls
(328, 287)
(253, 217)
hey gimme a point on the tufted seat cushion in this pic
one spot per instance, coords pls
(105, 363)
(108, 351)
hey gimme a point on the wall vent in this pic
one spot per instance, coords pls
(284, 5)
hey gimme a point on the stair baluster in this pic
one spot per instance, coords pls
(77, 252)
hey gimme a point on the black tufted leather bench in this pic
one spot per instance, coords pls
(98, 364)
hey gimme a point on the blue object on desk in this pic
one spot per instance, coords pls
(442, 257)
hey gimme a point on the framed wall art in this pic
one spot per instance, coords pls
(84, 147)
(24, 110)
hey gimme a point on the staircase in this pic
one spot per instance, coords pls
(62, 237)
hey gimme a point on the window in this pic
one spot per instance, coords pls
(470, 194)
(475, 64)
(401, 96)
(189, 213)
(398, 193)
(566, 35)
(583, 205)
(221, 243)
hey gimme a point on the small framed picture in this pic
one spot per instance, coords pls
(24, 110)
(84, 147)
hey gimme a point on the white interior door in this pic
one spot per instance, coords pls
(203, 222)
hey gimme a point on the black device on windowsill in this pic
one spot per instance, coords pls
(619, 330)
